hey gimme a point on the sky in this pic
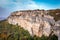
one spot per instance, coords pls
(8, 6)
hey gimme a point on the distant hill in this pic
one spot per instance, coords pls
(2, 18)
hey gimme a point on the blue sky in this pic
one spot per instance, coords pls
(8, 6)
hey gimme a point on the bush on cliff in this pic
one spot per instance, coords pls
(15, 32)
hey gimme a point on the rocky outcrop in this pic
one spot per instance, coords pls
(56, 29)
(37, 22)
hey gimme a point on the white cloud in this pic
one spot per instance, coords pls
(14, 5)
(29, 5)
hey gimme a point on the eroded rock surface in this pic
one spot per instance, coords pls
(37, 22)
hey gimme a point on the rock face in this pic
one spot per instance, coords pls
(56, 29)
(37, 22)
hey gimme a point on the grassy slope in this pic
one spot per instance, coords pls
(12, 32)
(15, 32)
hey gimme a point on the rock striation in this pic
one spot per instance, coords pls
(37, 22)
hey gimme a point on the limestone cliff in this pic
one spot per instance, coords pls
(37, 22)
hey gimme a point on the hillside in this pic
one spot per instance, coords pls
(15, 32)
(35, 21)
(55, 13)
(12, 32)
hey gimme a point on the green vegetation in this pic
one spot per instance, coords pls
(12, 32)
(15, 32)
(53, 37)
(54, 14)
